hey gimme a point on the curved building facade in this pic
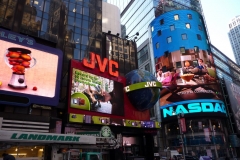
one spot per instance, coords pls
(191, 104)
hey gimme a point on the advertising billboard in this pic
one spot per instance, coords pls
(189, 83)
(95, 93)
(234, 96)
(30, 72)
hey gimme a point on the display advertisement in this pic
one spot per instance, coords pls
(95, 93)
(192, 108)
(29, 71)
(234, 96)
(80, 118)
(187, 77)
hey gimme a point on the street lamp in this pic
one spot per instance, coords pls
(181, 124)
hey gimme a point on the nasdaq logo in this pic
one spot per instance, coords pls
(195, 108)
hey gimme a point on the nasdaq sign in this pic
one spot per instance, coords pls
(210, 107)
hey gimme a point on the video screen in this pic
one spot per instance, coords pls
(95, 93)
(187, 75)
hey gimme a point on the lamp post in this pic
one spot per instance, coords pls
(180, 117)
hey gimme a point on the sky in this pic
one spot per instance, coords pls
(218, 14)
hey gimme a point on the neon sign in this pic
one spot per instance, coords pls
(195, 108)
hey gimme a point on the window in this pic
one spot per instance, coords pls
(159, 33)
(200, 27)
(147, 67)
(176, 17)
(169, 39)
(200, 19)
(162, 21)
(152, 28)
(157, 45)
(184, 36)
(182, 50)
(172, 27)
(199, 37)
(189, 16)
(188, 25)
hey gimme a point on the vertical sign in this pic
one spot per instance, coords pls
(183, 125)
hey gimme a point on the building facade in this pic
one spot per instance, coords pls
(60, 35)
(234, 34)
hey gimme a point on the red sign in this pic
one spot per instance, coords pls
(102, 64)
(183, 125)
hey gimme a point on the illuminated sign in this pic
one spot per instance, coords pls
(94, 93)
(141, 85)
(30, 72)
(102, 64)
(195, 108)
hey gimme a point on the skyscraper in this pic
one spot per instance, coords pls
(234, 36)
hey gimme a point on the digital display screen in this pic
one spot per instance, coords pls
(94, 93)
(187, 76)
(29, 71)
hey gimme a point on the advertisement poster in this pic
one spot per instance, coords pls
(187, 76)
(234, 96)
(95, 93)
(27, 70)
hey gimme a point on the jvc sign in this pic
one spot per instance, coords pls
(198, 107)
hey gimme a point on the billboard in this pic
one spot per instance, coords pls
(30, 72)
(189, 80)
(94, 93)
(234, 96)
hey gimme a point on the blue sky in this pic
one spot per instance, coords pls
(218, 14)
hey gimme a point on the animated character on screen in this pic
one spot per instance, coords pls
(18, 59)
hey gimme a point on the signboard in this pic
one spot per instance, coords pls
(95, 93)
(80, 118)
(197, 107)
(30, 72)
(46, 137)
(183, 125)
(234, 96)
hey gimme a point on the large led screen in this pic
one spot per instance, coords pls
(234, 96)
(95, 93)
(28, 71)
(189, 77)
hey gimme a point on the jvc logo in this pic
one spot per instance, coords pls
(151, 84)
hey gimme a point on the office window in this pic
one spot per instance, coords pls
(199, 37)
(184, 36)
(172, 27)
(159, 33)
(152, 28)
(182, 50)
(188, 25)
(200, 19)
(157, 45)
(200, 27)
(189, 16)
(176, 17)
(162, 21)
(169, 39)
(147, 67)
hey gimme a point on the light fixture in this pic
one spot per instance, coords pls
(109, 32)
(16, 149)
(118, 34)
(137, 34)
(41, 150)
(169, 129)
(31, 149)
(173, 113)
(177, 128)
(35, 147)
(190, 126)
